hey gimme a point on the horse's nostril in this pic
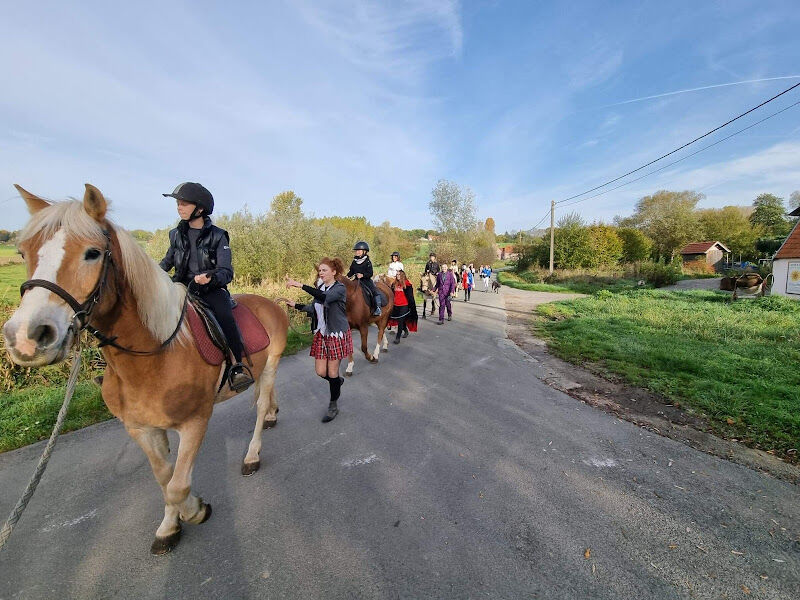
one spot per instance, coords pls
(44, 335)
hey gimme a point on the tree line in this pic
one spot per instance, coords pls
(662, 224)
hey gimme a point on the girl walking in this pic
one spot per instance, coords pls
(467, 280)
(332, 338)
(404, 313)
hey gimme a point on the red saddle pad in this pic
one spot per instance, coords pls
(253, 332)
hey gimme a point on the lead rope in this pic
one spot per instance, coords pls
(16, 513)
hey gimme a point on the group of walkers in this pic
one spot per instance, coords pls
(200, 254)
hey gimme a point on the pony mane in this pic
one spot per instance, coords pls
(159, 300)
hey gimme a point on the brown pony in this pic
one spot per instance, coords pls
(75, 248)
(360, 317)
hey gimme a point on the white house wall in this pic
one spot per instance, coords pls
(780, 270)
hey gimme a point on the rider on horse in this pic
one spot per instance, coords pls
(200, 252)
(361, 268)
(432, 266)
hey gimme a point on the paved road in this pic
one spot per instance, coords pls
(707, 283)
(451, 472)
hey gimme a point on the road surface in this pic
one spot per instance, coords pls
(451, 472)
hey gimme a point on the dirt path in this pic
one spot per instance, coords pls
(694, 284)
(637, 405)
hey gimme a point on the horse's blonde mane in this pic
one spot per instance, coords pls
(158, 299)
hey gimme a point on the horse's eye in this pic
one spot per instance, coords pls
(92, 254)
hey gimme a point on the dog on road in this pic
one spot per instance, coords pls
(496, 287)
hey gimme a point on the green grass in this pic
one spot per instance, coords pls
(11, 277)
(28, 415)
(8, 250)
(578, 284)
(733, 363)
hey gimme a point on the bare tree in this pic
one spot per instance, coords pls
(453, 207)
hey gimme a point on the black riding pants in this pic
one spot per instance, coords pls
(370, 285)
(220, 302)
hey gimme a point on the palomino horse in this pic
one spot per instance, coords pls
(359, 315)
(426, 285)
(74, 255)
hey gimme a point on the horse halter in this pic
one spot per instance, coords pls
(80, 320)
(83, 311)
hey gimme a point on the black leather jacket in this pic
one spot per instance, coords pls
(213, 255)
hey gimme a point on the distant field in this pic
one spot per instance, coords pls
(11, 277)
(8, 250)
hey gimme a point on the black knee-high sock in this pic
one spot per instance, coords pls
(336, 387)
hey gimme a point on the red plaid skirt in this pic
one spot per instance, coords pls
(332, 347)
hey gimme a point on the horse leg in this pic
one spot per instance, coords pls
(271, 419)
(384, 339)
(264, 405)
(155, 445)
(364, 329)
(377, 353)
(178, 494)
(424, 304)
(349, 370)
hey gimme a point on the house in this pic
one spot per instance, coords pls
(711, 253)
(786, 264)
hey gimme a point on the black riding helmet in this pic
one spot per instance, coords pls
(196, 194)
(361, 246)
(397, 254)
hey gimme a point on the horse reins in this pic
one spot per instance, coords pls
(83, 311)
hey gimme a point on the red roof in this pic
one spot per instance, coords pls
(701, 247)
(791, 246)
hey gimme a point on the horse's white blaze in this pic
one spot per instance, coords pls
(36, 301)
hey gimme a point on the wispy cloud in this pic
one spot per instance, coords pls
(697, 89)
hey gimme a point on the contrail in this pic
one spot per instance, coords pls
(697, 89)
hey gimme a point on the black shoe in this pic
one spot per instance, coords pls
(440, 322)
(333, 410)
(449, 318)
(240, 378)
(405, 334)
(396, 341)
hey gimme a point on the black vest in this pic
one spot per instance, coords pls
(210, 238)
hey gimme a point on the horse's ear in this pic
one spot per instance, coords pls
(35, 204)
(94, 203)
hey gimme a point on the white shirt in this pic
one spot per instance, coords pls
(320, 308)
(394, 267)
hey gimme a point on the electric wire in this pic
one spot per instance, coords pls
(683, 158)
(663, 156)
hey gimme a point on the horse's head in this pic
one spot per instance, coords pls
(63, 243)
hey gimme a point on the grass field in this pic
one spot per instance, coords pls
(30, 398)
(735, 364)
(580, 284)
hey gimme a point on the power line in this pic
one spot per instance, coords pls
(685, 157)
(683, 146)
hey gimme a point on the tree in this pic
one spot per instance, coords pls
(489, 225)
(730, 226)
(770, 213)
(667, 218)
(453, 207)
(794, 200)
(636, 246)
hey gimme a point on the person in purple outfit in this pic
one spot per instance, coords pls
(445, 285)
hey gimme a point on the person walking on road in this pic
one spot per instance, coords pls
(404, 313)
(445, 284)
(487, 277)
(394, 266)
(467, 280)
(332, 338)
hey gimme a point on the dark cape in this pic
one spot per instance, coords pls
(412, 318)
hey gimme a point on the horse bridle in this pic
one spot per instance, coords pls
(83, 310)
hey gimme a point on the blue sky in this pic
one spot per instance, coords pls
(360, 107)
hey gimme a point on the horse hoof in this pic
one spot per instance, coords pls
(249, 468)
(348, 374)
(270, 424)
(161, 546)
(374, 361)
(207, 516)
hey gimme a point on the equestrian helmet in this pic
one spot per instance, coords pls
(361, 246)
(397, 254)
(195, 194)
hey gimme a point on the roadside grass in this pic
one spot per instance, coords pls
(7, 250)
(733, 363)
(11, 277)
(30, 398)
(581, 283)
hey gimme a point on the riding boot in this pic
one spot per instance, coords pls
(333, 410)
(240, 378)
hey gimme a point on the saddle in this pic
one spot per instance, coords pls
(381, 299)
(209, 339)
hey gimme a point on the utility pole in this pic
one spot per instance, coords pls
(552, 231)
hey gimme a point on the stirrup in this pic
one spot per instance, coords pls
(242, 375)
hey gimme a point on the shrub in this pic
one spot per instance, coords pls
(659, 273)
(698, 267)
